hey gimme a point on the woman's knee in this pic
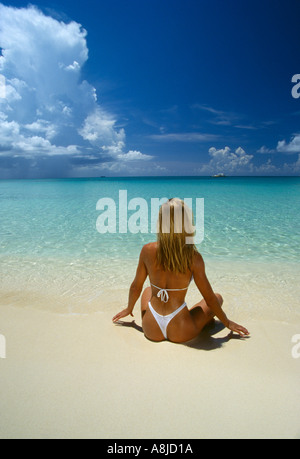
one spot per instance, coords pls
(146, 296)
(220, 298)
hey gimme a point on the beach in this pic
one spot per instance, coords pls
(78, 376)
(69, 372)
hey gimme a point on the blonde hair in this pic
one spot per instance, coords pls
(175, 231)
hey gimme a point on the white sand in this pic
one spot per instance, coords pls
(79, 376)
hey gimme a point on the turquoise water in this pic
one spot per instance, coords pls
(245, 218)
(53, 258)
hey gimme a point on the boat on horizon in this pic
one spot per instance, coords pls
(219, 175)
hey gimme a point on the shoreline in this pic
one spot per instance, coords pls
(250, 289)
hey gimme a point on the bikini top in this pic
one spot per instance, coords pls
(163, 292)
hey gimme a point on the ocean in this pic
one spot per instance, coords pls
(52, 255)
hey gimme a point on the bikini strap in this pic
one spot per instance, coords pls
(163, 292)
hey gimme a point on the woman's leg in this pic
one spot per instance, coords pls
(150, 326)
(202, 314)
(146, 297)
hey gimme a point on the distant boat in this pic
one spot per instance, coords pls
(219, 175)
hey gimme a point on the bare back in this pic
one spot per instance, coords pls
(164, 280)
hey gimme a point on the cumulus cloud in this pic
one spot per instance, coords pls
(226, 161)
(99, 129)
(48, 110)
(291, 147)
(238, 162)
(133, 155)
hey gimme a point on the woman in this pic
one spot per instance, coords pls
(171, 263)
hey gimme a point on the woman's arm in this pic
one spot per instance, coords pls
(210, 298)
(135, 288)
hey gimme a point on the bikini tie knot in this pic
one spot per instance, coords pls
(163, 295)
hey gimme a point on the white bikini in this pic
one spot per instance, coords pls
(163, 321)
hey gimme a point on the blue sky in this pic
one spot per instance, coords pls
(148, 87)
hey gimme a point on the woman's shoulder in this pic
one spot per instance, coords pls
(149, 249)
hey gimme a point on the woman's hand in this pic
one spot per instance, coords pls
(242, 331)
(126, 312)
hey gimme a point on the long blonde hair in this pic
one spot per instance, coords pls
(175, 225)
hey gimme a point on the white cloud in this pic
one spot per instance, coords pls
(185, 137)
(267, 169)
(238, 162)
(220, 117)
(134, 156)
(131, 168)
(48, 109)
(9, 130)
(296, 165)
(72, 67)
(225, 161)
(99, 128)
(292, 168)
(290, 148)
(264, 150)
(250, 127)
(44, 127)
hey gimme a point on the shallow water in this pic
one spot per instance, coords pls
(52, 256)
